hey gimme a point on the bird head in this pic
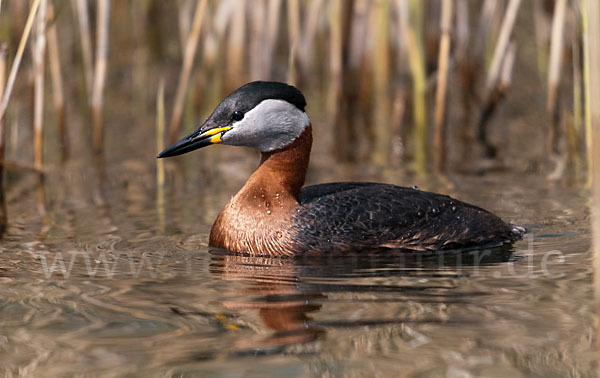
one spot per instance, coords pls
(263, 115)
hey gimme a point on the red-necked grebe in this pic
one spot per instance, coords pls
(273, 215)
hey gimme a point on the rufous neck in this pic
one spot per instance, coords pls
(286, 168)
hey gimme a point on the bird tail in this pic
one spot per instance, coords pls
(517, 231)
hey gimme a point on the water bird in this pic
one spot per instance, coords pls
(272, 214)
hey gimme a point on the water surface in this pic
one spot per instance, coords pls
(116, 280)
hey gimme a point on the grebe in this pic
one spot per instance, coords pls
(273, 215)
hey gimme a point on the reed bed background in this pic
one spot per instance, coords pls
(434, 89)
(426, 85)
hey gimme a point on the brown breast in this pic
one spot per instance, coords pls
(257, 219)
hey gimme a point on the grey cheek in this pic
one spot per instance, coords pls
(232, 138)
(239, 136)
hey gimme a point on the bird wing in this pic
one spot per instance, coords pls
(342, 216)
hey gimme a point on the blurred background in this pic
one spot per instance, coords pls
(432, 86)
(491, 101)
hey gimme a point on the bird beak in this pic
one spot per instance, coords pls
(195, 140)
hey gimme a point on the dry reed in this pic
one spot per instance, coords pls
(140, 54)
(556, 47)
(185, 12)
(257, 25)
(235, 45)
(293, 18)
(381, 73)
(160, 163)
(345, 117)
(335, 55)
(362, 39)
(575, 127)
(591, 34)
(186, 69)
(412, 31)
(18, 56)
(588, 16)
(494, 93)
(293, 13)
(39, 51)
(439, 145)
(273, 11)
(465, 74)
(40, 196)
(507, 66)
(85, 37)
(542, 35)
(501, 44)
(307, 39)
(484, 25)
(57, 81)
(3, 70)
(100, 68)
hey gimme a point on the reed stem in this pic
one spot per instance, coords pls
(141, 53)
(335, 56)
(381, 71)
(57, 81)
(100, 68)
(542, 33)
(185, 12)
(576, 127)
(588, 16)
(235, 44)
(308, 37)
(18, 56)
(483, 28)
(40, 196)
(591, 34)
(493, 93)
(505, 31)
(467, 76)
(160, 163)
(185, 73)
(293, 13)
(556, 48)
(270, 42)
(257, 36)
(414, 44)
(507, 66)
(81, 7)
(439, 145)
(39, 51)
(3, 70)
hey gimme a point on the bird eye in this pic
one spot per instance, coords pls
(237, 115)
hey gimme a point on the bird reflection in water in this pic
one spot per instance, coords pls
(275, 290)
(287, 292)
